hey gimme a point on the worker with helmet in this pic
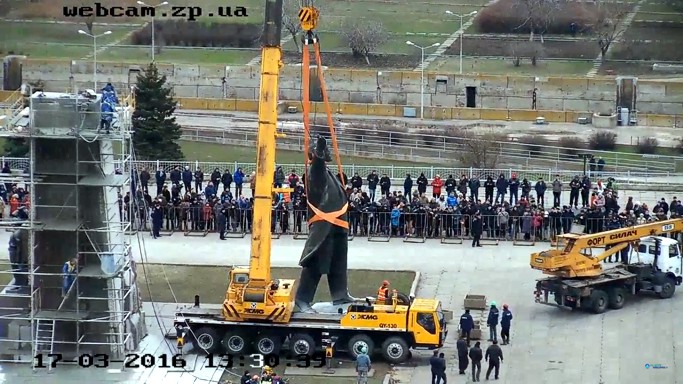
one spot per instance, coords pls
(383, 292)
(363, 365)
(266, 375)
(505, 320)
(492, 322)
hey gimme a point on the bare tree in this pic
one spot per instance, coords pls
(606, 27)
(525, 49)
(363, 37)
(538, 14)
(481, 150)
(290, 18)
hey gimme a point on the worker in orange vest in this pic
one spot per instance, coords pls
(383, 292)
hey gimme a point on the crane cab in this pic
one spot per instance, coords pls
(243, 303)
(662, 252)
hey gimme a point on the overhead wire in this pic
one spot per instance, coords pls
(144, 260)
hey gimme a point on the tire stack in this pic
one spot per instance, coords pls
(477, 306)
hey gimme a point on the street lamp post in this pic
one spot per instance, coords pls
(154, 7)
(94, 53)
(462, 31)
(422, 73)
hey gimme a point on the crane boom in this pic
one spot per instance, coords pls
(271, 61)
(252, 293)
(573, 262)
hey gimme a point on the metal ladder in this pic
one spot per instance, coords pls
(44, 343)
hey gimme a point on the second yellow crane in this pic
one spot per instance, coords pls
(579, 280)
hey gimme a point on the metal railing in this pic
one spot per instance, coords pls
(433, 148)
(398, 173)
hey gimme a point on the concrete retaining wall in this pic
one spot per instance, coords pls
(384, 90)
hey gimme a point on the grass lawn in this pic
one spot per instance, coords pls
(22, 33)
(657, 7)
(43, 51)
(659, 16)
(47, 40)
(178, 55)
(395, 45)
(628, 155)
(210, 282)
(505, 67)
(222, 153)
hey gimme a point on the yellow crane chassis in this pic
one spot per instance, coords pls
(302, 335)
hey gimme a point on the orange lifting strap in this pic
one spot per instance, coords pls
(330, 217)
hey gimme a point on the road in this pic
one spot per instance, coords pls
(667, 136)
(549, 345)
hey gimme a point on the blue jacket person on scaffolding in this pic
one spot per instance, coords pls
(70, 270)
(108, 107)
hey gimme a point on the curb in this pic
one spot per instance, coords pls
(416, 281)
(387, 379)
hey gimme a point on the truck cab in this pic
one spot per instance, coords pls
(664, 253)
(427, 322)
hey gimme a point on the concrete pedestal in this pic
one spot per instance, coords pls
(604, 121)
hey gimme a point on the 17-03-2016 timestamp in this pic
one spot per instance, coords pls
(257, 360)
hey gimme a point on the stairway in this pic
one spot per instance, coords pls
(44, 343)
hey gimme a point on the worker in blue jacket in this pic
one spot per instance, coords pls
(69, 272)
(505, 321)
(466, 325)
(492, 322)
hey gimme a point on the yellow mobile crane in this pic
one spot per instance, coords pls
(579, 280)
(258, 312)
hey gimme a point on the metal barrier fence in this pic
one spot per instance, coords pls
(424, 146)
(398, 173)
(449, 227)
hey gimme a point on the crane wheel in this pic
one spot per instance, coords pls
(599, 301)
(617, 298)
(357, 342)
(395, 350)
(268, 344)
(207, 340)
(668, 288)
(302, 344)
(235, 343)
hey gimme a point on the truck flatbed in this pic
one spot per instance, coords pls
(212, 315)
(608, 275)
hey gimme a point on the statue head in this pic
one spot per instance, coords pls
(320, 150)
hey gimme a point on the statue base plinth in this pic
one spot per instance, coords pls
(330, 308)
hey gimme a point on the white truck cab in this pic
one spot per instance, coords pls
(667, 257)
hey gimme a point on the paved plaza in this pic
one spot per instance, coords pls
(549, 345)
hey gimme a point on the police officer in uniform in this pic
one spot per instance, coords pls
(505, 320)
(466, 326)
(477, 229)
(157, 219)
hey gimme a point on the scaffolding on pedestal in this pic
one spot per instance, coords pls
(75, 178)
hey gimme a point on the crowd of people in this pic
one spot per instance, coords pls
(498, 207)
